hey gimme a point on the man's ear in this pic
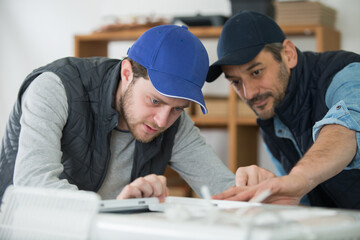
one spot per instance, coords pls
(127, 74)
(290, 53)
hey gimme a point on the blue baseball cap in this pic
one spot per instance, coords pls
(176, 61)
(243, 36)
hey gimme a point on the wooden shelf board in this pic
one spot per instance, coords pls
(250, 121)
(133, 34)
(201, 32)
(210, 121)
(307, 30)
(223, 121)
(300, 30)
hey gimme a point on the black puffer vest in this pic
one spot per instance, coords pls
(303, 105)
(90, 85)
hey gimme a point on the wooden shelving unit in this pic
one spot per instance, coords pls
(243, 131)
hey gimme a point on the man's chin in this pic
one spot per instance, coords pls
(145, 139)
(265, 115)
(143, 136)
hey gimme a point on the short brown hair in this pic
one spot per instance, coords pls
(138, 69)
(275, 50)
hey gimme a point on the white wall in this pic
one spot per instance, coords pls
(36, 32)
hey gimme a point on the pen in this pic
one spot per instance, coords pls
(261, 197)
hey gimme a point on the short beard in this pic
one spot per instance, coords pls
(125, 105)
(283, 77)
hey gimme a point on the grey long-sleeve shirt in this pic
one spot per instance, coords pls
(38, 163)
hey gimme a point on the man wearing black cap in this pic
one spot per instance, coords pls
(112, 126)
(308, 109)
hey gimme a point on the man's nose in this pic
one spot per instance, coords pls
(249, 89)
(162, 116)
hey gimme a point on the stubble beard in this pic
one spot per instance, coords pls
(283, 77)
(125, 108)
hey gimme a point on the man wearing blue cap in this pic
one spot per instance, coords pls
(112, 126)
(308, 110)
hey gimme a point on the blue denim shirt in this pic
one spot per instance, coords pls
(343, 100)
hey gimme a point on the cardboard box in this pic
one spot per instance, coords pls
(304, 13)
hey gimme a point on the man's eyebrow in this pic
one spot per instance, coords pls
(182, 106)
(186, 105)
(164, 102)
(229, 76)
(252, 65)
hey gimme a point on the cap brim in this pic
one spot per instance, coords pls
(238, 57)
(175, 87)
(213, 73)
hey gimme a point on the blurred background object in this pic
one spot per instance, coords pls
(304, 13)
(265, 7)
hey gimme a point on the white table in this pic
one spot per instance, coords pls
(33, 213)
(257, 222)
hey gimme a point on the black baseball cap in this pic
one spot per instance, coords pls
(243, 36)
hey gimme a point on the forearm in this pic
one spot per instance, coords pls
(197, 163)
(330, 154)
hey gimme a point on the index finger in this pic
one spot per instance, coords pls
(158, 184)
(232, 191)
(241, 177)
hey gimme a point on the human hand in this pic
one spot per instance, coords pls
(251, 175)
(286, 190)
(149, 186)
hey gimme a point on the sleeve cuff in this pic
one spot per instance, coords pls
(338, 114)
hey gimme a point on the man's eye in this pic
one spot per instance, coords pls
(256, 72)
(179, 109)
(234, 82)
(154, 101)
